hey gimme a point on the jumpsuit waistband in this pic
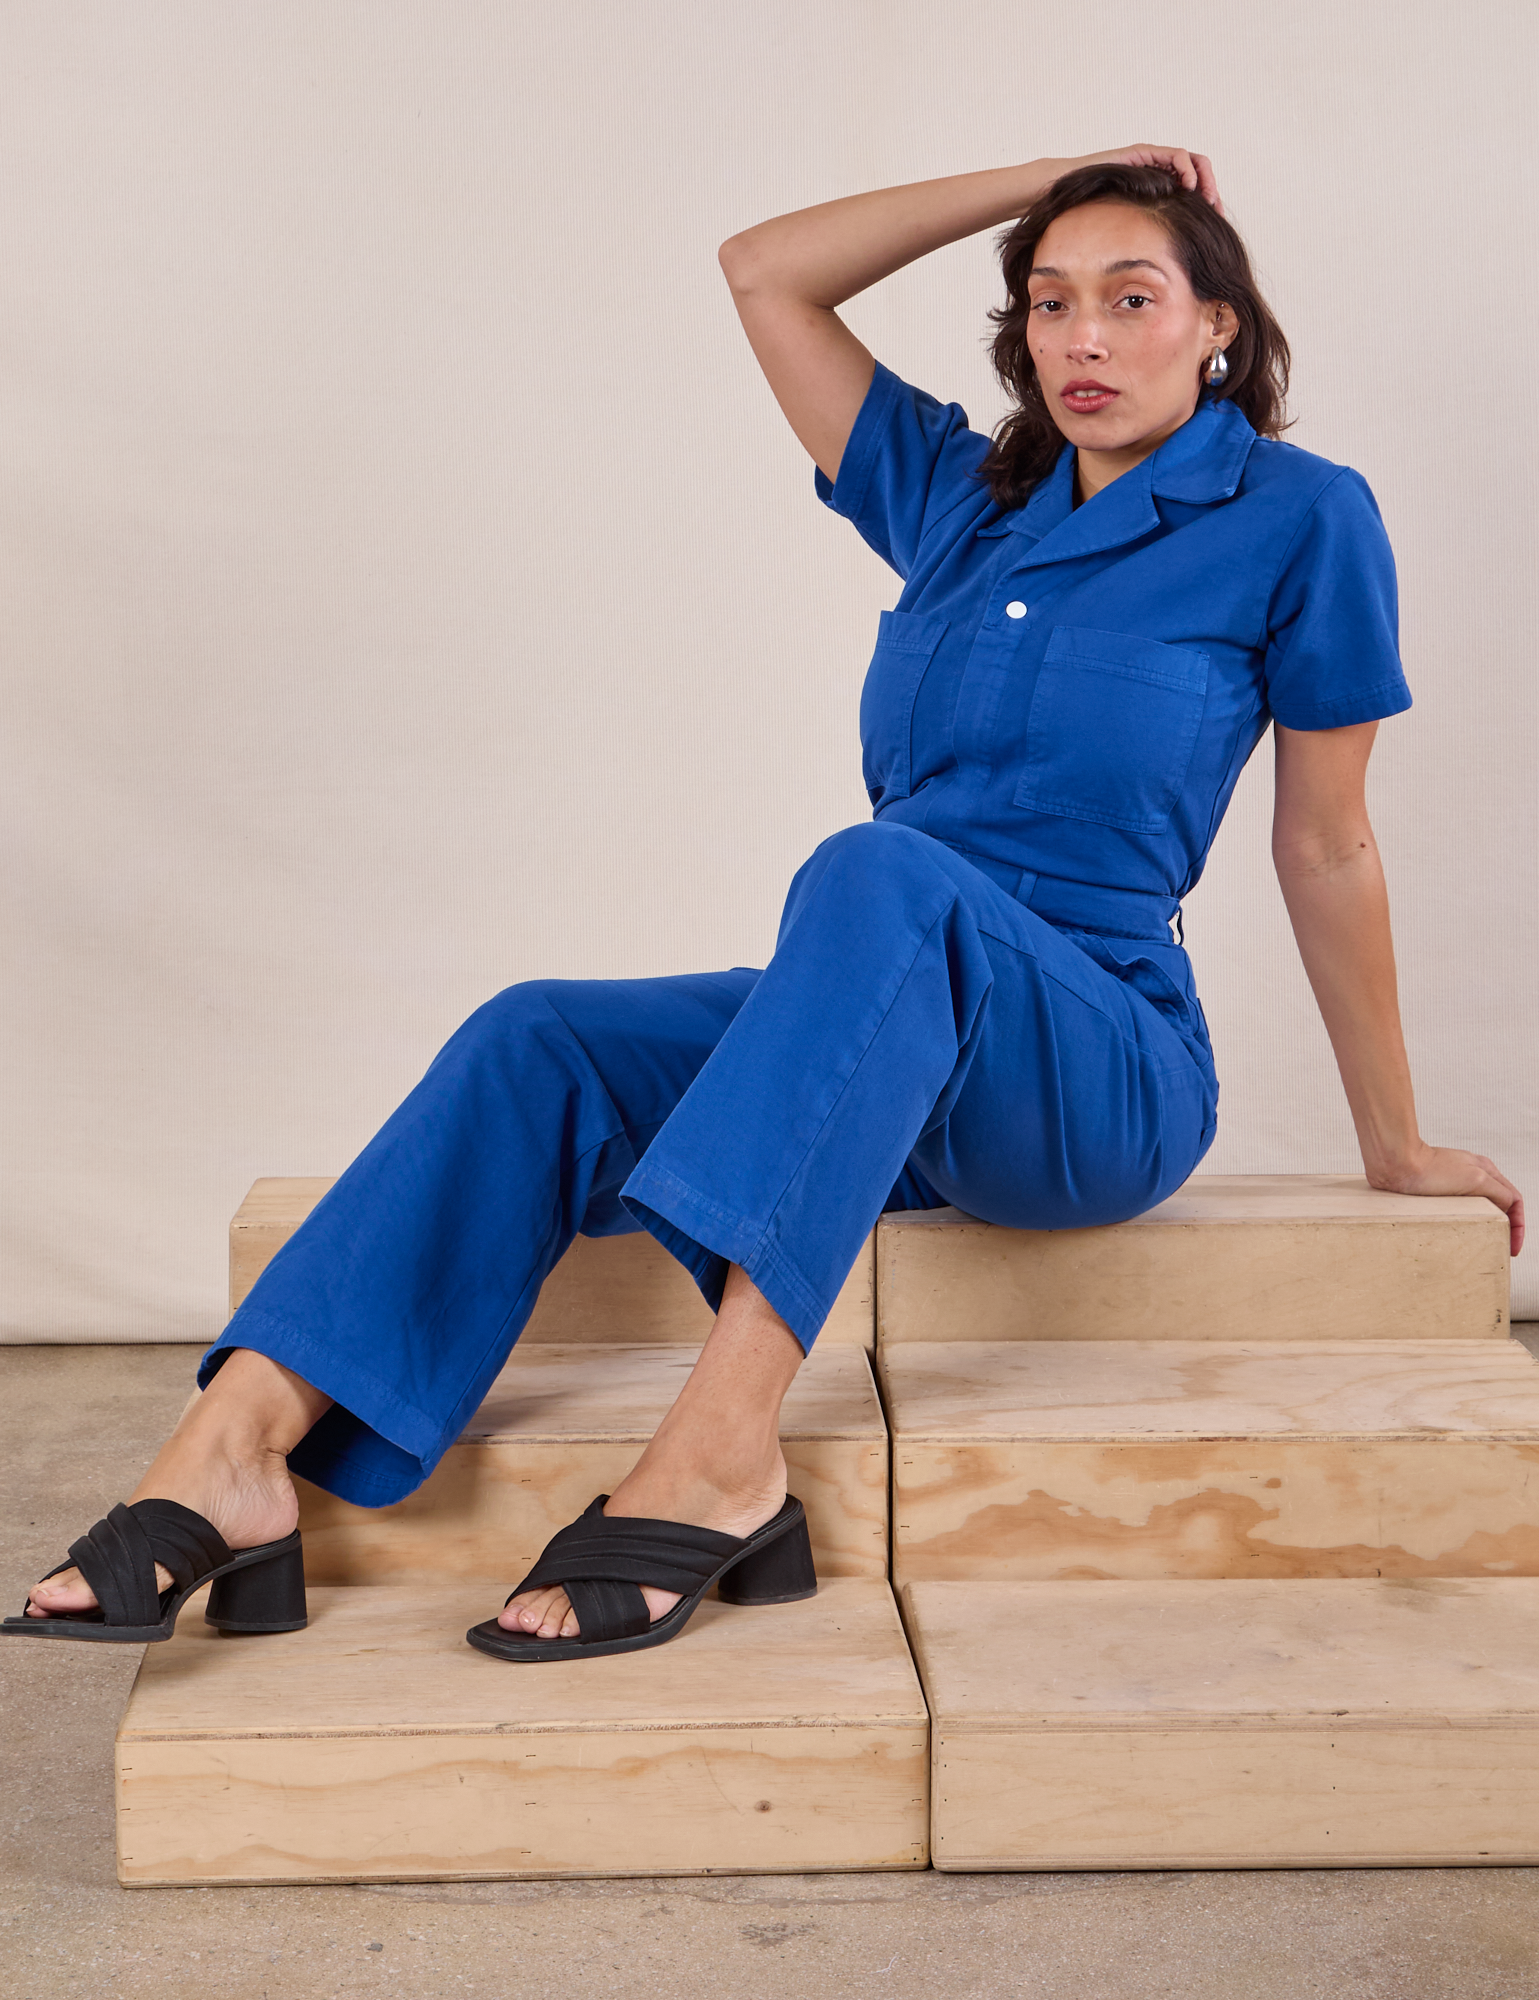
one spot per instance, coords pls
(1081, 905)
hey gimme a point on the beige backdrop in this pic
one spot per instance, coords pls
(410, 587)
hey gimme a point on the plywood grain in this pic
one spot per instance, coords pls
(1133, 1459)
(605, 1289)
(378, 1746)
(561, 1424)
(1237, 1799)
(1266, 1257)
(1211, 1725)
(1181, 1389)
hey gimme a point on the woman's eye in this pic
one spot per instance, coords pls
(1137, 299)
(1048, 306)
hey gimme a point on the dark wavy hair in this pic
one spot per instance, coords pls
(1027, 442)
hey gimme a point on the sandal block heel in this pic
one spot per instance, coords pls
(267, 1596)
(781, 1573)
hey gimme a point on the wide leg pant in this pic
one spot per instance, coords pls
(919, 1037)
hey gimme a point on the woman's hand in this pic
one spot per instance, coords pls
(1192, 170)
(1447, 1170)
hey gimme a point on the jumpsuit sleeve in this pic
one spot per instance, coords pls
(1332, 640)
(909, 462)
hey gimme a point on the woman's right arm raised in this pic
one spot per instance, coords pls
(787, 275)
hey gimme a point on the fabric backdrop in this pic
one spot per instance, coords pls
(409, 586)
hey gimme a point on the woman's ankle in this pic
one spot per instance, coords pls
(707, 1472)
(253, 1407)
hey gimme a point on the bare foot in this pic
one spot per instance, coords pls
(249, 1501)
(658, 1493)
(227, 1459)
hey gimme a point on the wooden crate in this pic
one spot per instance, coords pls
(605, 1289)
(1062, 1459)
(1358, 1723)
(378, 1747)
(562, 1424)
(1274, 1257)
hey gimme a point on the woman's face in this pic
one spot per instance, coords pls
(1117, 334)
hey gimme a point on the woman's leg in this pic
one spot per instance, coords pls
(404, 1291)
(715, 1459)
(914, 1017)
(376, 1330)
(918, 1037)
(227, 1459)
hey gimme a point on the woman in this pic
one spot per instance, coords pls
(975, 998)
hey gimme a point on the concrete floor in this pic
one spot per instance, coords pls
(76, 1427)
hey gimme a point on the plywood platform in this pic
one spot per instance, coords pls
(564, 1423)
(1060, 1459)
(605, 1289)
(1268, 1257)
(1219, 1533)
(1231, 1725)
(377, 1746)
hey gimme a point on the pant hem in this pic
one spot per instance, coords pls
(666, 1206)
(409, 1429)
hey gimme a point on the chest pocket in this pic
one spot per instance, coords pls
(1112, 727)
(905, 645)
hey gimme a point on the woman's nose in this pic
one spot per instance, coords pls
(1087, 345)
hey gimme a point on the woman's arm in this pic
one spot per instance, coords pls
(1333, 884)
(788, 274)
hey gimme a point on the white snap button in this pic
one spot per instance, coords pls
(1015, 610)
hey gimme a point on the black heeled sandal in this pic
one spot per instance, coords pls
(602, 1561)
(254, 1590)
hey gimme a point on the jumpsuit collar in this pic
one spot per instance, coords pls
(1200, 463)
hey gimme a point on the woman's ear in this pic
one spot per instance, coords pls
(1223, 325)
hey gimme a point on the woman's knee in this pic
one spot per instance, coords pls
(877, 847)
(866, 861)
(515, 1017)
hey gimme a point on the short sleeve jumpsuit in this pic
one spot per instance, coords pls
(975, 997)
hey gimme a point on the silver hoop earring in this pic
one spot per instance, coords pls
(1218, 369)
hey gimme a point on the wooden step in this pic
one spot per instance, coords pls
(1345, 1458)
(376, 1746)
(605, 1289)
(564, 1423)
(1277, 1256)
(1231, 1725)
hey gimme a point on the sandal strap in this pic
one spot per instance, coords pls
(114, 1558)
(608, 1610)
(117, 1557)
(182, 1541)
(598, 1548)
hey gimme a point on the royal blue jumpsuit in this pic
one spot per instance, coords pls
(975, 997)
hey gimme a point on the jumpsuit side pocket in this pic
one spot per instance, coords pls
(905, 645)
